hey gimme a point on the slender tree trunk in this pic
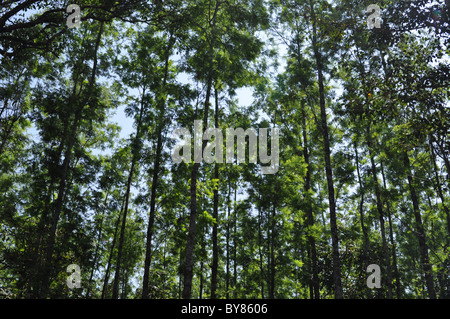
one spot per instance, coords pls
(123, 294)
(379, 203)
(180, 279)
(309, 213)
(99, 237)
(227, 275)
(155, 178)
(364, 259)
(115, 292)
(328, 169)
(37, 254)
(269, 257)
(260, 245)
(111, 253)
(189, 264)
(420, 231)
(235, 243)
(202, 263)
(391, 237)
(215, 258)
(164, 269)
(201, 280)
(361, 206)
(135, 154)
(272, 253)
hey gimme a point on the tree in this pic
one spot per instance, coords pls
(363, 175)
(220, 17)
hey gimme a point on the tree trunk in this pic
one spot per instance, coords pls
(391, 237)
(38, 256)
(260, 245)
(135, 154)
(202, 263)
(227, 275)
(99, 238)
(364, 258)
(111, 253)
(309, 213)
(420, 231)
(235, 244)
(201, 280)
(328, 169)
(189, 264)
(269, 257)
(155, 178)
(379, 203)
(272, 254)
(215, 258)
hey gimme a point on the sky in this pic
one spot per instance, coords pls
(244, 96)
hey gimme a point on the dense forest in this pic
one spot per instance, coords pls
(93, 205)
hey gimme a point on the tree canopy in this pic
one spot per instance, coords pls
(88, 117)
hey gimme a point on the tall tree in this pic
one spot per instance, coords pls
(212, 44)
(56, 206)
(327, 155)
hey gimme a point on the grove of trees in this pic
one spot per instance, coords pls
(87, 177)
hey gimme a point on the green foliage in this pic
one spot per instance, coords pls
(69, 176)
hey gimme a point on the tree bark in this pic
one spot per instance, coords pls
(420, 231)
(364, 258)
(155, 178)
(328, 169)
(215, 258)
(111, 253)
(379, 203)
(391, 237)
(99, 237)
(227, 275)
(260, 245)
(235, 244)
(135, 154)
(309, 213)
(272, 253)
(189, 264)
